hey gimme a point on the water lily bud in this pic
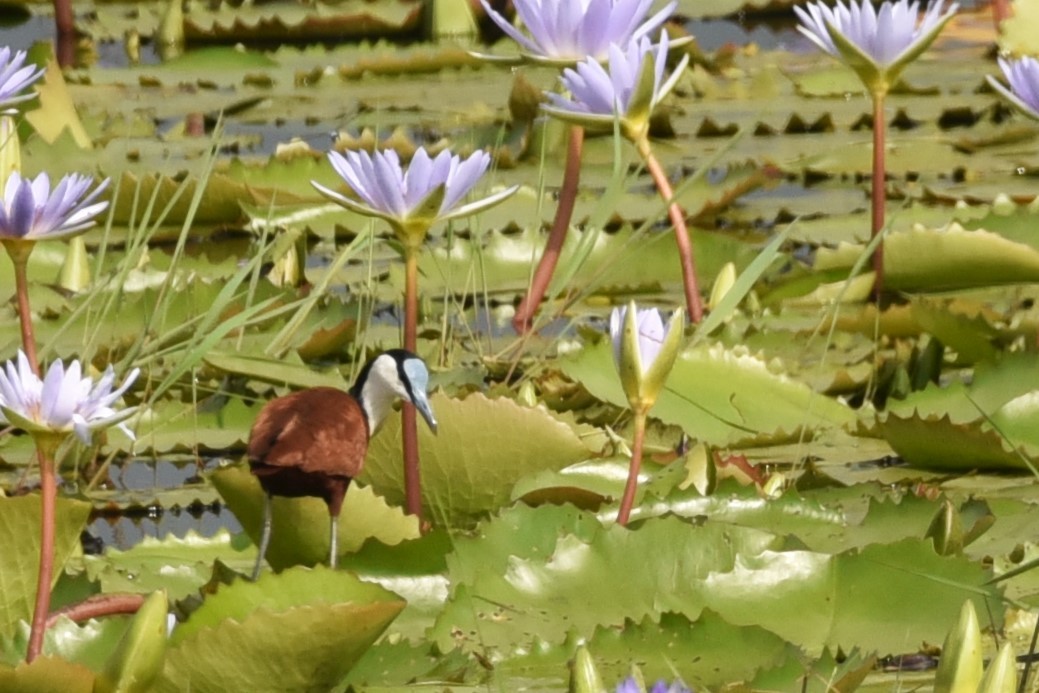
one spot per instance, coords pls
(524, 100)
(960, 666)
(10, 149)
(726, 278)
(138, 658)
(170, 34)
(644, 351)
(453, 19)
(584, 677)
(1001, 676)
(74, 275)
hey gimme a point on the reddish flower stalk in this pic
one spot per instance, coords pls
(111, 604)
(48, 500)
(524, 318)
(633, 470)
(21, 283)
(878, 196)
(690, 283)
(409, 418)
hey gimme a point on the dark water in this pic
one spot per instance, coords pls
(141, 490)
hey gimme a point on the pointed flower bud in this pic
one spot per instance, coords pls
(877, 43)
(627, 90)
(429, 191)
(644, 351)
(563, 32)
(1023, 75)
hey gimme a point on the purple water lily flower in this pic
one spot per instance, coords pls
(15, 76)
(565, 31)
(876, 42)
(644, 350)
(628, 88)
(1023, 75)
(30, 211)
(650, 336)
(429, 191)
(630, 685)
(63, 401)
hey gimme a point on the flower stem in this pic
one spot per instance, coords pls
(409, 420)
(111, 604)
(1000, 11)
(48, 499)
(21, 283)
(524, 317)
(879, 191)
(685, 247)
(633, 469)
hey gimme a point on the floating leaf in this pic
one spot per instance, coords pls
(299, 534)
(482, 447)
(989, 423)
(302, 629)
(47, 675)
(720, 396)
(20, 551)
(925, 259)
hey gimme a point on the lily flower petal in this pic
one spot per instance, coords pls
(563, 32)
(875, 42)
(30, 211)
(15, 77)
(601, 95)
(644, 350)
(430, 191)
(63, 401)
(1023, 76)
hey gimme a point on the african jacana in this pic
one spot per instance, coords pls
(313, 442)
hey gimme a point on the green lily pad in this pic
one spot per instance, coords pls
(20, 551)
(299, 534)
(302, 629)
(482, 448)
(925, 259)
(719, 396)
(181, 566)
(987, 424)
(47, 675)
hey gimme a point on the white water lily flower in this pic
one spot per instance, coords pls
(563, 32)
(875, 42)
(63, 401)
(627, 89)
(15, 76)
(1023, 76)
(30, 211)
(429, 191)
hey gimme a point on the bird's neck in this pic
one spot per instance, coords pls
(374, 392)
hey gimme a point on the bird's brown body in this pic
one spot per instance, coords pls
(309, 443)
(313, 442)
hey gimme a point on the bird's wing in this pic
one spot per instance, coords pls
(321, 430)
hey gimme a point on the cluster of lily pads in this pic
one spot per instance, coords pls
(683, 550)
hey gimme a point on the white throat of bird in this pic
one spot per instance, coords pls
(380, 389)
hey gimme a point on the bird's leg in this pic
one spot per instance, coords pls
(333, 531)
(265, 538)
